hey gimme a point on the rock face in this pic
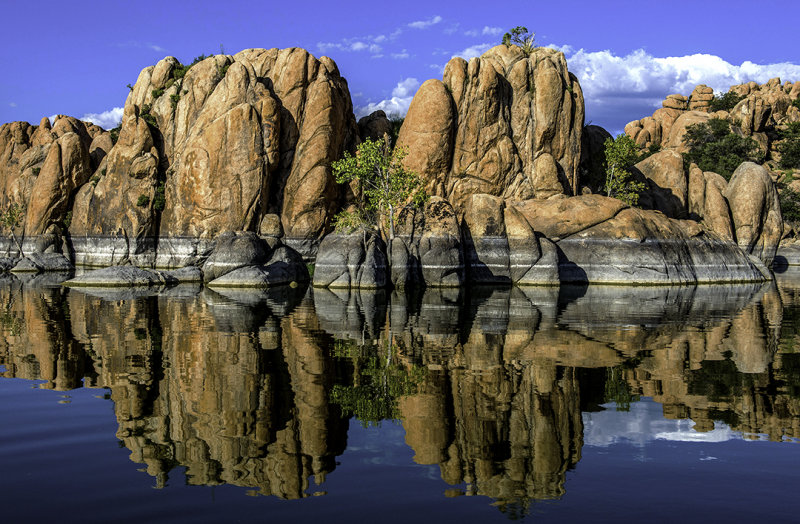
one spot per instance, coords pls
(755, 211)
(356, 260)
(42, 167)
(502, 247)
(601, 240)
(504, 124)
(762, 109)
(427, 247)
(667, 184)
(217, 147)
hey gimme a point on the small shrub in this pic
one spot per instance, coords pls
(157, 93)
(222, 71)
(790, 204)
(790, 147)
(36, 171)
(144, 113)
(713, 147)
(796, 103)
(115, 134)
(169, 83)
(310, 268)
(522, 37)
(174, 99)
(159, 200)
(68, 219)
(620, 154)
(95, 180)
(725, 102)
(143, 200)
(129, 87)
(103, 172)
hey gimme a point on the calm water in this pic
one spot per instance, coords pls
(593, 403)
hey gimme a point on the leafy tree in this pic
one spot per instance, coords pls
(12, 217)
(384, 185)
(713, 147)
(520, 36)
(790, 204)
(725, 102)
(790, 147)
(621, 153)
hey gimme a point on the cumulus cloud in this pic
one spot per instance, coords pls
(107, 119)
(398, 104)
(425, 24)
(473, 51)
(349, 46)
(618, 89)
(491, 31)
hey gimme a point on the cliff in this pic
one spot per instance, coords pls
(244, 143)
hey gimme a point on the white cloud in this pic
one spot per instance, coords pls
(107, 119)
(619, 89)
(491, 30)
(472, 32)
(425, 24)
(155, 47)
(452, 29)
(398, 104)
(473, 51)
(12, 104)
(402, 55)
(349, 45)
(380, 38)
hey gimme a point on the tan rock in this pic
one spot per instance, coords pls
(427, 133)
(667, 182)
(557, 219)
(678, 129)
(678, 102)
(66, 168)
(755, 210)
(509, 110)
(374, 126)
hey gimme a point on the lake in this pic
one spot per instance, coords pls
(591, 403)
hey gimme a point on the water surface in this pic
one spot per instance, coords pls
(488, 404)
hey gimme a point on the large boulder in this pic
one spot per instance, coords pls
(427, 247)
(707, 203)
(755, 210)
(215, 148)
(354, 260)
(500, 246)
(515, 122)
(667, 184)
(233, 251)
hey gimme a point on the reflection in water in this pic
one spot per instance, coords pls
(497, 387)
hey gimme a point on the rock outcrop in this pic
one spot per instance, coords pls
(504, 124)
(755, 210)
(354, 260)
(215, 147)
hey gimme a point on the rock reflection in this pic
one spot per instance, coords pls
(257, 388)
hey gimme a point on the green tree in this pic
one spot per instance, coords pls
(520, 36)
(725, 102)
(12, 217)
(789, 147)
(384, 184)
(621, 153)
(714, 147)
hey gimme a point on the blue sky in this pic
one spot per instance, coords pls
(75, 58)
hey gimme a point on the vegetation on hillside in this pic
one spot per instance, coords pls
(621, 153)
(714, 147)
(725, 102)
(521, 37)
(384, 185)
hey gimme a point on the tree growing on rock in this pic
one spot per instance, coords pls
(621, 153)
(12, 217)
(714, 147)
(384, 184)
(520, 36)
